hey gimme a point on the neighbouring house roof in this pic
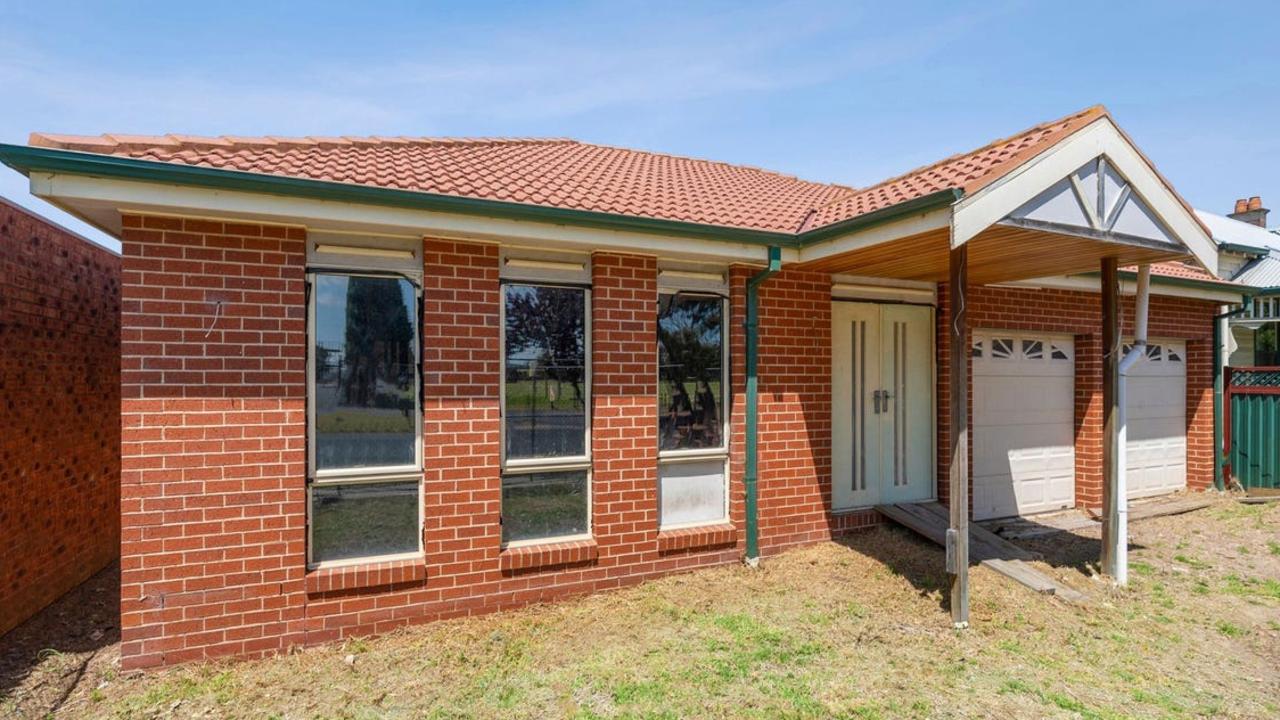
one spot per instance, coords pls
(1225, 230)
(572, 175)
(1263, 272)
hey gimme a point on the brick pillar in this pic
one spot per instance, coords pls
(942, 342)
(624, 416)
(213, 467)
(1200, 414)
(1088, 420)
(462, 486)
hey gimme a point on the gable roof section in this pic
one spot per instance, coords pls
(566, 174)
(966, 172)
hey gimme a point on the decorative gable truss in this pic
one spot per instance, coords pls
(1094, 201)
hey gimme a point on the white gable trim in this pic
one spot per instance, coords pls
(993, 203)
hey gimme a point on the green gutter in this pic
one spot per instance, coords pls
(1243, 249)
(34, 159)
(924, 203)
(750, 475)
(29, 159)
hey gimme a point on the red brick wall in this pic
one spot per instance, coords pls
(212, 505)
(1078, 314)
(59, 412)
(214, 447)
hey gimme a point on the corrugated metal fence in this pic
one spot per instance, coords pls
(1252, 426)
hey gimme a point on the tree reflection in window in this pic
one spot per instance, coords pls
(365, 372)
(691, 371)
(545, 383)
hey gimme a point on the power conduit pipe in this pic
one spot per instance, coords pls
(1120, 523)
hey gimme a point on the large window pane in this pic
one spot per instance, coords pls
(544, 505)
(691, 372)
(545, 384)
(363, 520)
(365, 372)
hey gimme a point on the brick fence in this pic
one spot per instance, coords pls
(59, 411)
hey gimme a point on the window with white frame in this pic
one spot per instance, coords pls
(546, 393)
(364, 417)
(692, 413)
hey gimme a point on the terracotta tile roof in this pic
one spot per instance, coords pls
(574, 175)
(553, 172)
(968, 172)
(1186, 271)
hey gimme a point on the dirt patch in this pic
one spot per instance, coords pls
(854, 629)
(60, 655)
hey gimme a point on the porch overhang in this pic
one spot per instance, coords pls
(1007, 251)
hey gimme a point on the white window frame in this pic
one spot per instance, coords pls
(530, 466)
(665, 457)
(366, 475)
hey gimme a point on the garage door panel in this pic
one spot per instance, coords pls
(1024, 424)
(1156, 443)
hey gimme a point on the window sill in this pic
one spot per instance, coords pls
(548, 555)
(366, 575)
(697, 538)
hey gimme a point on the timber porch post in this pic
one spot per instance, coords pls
(1110, 409)
(958, 534)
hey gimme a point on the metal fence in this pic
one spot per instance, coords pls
(1251, 420)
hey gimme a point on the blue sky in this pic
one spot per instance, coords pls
(831, 91)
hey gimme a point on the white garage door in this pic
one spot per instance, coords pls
(1157, 444)
(1023, 423)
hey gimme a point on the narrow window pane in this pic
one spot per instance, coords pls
(545, 384)
(690, 371)
(363, 520)
(544, 505)
(365, 372)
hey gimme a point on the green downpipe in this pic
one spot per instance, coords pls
(751, 475)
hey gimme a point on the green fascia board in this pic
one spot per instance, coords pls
(27, 159)
(1243, 249)
(924, 203)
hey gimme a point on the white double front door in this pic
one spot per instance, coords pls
(882, 424)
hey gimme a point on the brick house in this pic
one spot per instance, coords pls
(376, 381)
(59, 409)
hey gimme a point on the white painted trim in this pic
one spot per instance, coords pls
(1086, 284)
(97, 200)
(938, 219)
(860, 288)
(991, 204)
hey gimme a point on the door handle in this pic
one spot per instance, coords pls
(875, 401)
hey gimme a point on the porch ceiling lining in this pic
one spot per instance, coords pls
(998, 254)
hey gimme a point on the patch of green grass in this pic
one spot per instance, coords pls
(1142, 568)
(1252, 587)
(1230, 630)
(1191, 562)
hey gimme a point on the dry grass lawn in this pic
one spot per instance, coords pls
(856, 629)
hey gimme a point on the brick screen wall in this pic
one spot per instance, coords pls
(59, 411)
(214, 449)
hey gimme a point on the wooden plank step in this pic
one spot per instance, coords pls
(999, 548)
(1000, 555)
